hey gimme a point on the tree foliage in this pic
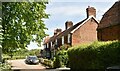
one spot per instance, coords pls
(20, 21)
(0, 32)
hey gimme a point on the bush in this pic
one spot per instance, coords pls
(13, 58)
(61, 58)
(18, 57)
(5, 67)
(57, 63)
(46, 62)
(98, 55)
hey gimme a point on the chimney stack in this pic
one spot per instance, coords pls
(57, 31)
(68, 24)
(91, 11)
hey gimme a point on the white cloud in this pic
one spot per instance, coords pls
(33, 45)
(66, 10)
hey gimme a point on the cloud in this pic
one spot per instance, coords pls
(50, 30)
(63, 11)
(66, 10)
(33, 45)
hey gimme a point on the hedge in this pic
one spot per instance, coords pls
(98, 55)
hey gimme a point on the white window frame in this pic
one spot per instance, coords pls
(47, 45)
(56, 41)
(62, 40)
(68, 38)
(51, 44)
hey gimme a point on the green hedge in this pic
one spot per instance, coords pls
(13, 58)
(97, 55)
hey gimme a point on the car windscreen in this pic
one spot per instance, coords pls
(34, 58)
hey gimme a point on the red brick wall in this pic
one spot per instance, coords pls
(110, 33)
(86, 33)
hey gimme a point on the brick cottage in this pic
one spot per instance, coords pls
(82, 32)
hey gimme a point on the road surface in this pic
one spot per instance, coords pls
(20, 65)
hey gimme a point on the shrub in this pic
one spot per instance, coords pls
(5, 67)
(46, 62)
(57, 63)
(97, 55)
(13, 58)
(61, 58)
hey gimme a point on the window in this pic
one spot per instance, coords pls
(68, 38)
(62, 39)
(47, 45)
(56, 41)
(51, 44)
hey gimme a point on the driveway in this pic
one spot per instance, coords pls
(20, 65)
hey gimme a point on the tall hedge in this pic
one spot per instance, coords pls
(98, 55)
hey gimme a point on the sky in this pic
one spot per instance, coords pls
(70, 10)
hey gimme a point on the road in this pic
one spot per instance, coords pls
(20, 65)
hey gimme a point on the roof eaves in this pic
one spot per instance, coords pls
(52, 38)
(84, 23)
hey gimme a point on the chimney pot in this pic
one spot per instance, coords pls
(68, 24)
(91, 11)
(57, 31)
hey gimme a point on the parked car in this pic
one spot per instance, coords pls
(31, 60)
(113, 68)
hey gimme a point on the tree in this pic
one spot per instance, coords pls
(20, 21)
(0, 33)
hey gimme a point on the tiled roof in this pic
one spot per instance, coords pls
(75, 27)
(67, 31)
(111, 17)
(46, 39)
(52, 38)
(71, 29)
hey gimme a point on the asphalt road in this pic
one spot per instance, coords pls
(20, 65)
